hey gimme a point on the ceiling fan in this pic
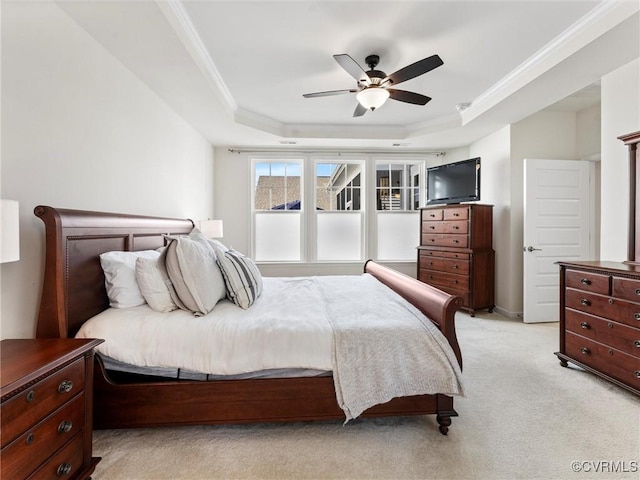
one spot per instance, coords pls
(373, 88)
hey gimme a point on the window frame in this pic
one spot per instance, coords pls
(313, 215)
(273, 159)
(308, 221)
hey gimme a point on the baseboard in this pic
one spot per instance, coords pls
(508, 314)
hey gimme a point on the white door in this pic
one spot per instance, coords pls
(557, 218)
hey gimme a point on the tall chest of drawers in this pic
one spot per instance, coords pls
(46, 412)
(456, 252)
(600, 320)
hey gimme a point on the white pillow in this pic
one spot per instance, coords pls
(190, 262)
(120, 277)
(242, 278)
(153, 283)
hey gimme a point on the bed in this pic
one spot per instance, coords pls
(74, 292)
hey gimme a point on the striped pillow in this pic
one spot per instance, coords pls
(242, 278)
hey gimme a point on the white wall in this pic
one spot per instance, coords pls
(620, 116)
(495, 189)
(232, 196)
(546, 134)
(588, 130)
(80, 131)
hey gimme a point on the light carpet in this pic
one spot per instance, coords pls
(523, 417)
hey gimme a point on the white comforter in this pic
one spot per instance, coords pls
(285, 328)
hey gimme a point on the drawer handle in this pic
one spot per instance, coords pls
(63, 469)
(585, 351)
(585, 281)
(586, 302)
(637, 343)
(636, 316)
(584, 325)
(454, 282)
(30, 438)
(637, 291)
(65, 426)
(637, 373)
(433, 239)
(455, 241)
(456, 227)
(455, 266)
(432, 227)
(456, 214)
(31, 394)
(65, 386)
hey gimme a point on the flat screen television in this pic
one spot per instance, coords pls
(454, 182)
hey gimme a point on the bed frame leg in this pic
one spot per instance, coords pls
(444, 421)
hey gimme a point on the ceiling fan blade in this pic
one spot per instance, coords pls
(408, 97)
(415, 69)
(359, 111)
(329, 93)
(353, 68)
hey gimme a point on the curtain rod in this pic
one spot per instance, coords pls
(337, 152)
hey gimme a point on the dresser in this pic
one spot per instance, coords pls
(600, 320)
(456, 252)
(46, 414)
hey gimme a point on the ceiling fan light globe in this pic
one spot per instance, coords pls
(372, 97)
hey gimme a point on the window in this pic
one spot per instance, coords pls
(338, 186)
(277, 205)
(397, 202)
(277, 186)
(339, 216)
(398, 186)
(317, 209)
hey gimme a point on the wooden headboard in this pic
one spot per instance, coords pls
(74, 241)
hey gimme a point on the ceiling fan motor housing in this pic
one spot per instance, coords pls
(374, 75)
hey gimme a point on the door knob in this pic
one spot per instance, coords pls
(530, 249)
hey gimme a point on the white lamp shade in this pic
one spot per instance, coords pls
(10, 234)
(372, 97)
(211, 228)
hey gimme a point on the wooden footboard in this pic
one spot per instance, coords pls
(74, 291)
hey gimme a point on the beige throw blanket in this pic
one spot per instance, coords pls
(383, 346)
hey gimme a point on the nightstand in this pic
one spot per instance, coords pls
(46, 415)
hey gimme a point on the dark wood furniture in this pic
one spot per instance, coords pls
(600, 302)
(46, 410)
(74, 291)
(633, 243)
(600, 320)
(456, 252)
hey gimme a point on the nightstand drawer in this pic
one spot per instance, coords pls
(64, 464)
(35, 402)
(36, 444)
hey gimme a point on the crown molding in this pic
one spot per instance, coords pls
(179, 19)
(599, 20)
